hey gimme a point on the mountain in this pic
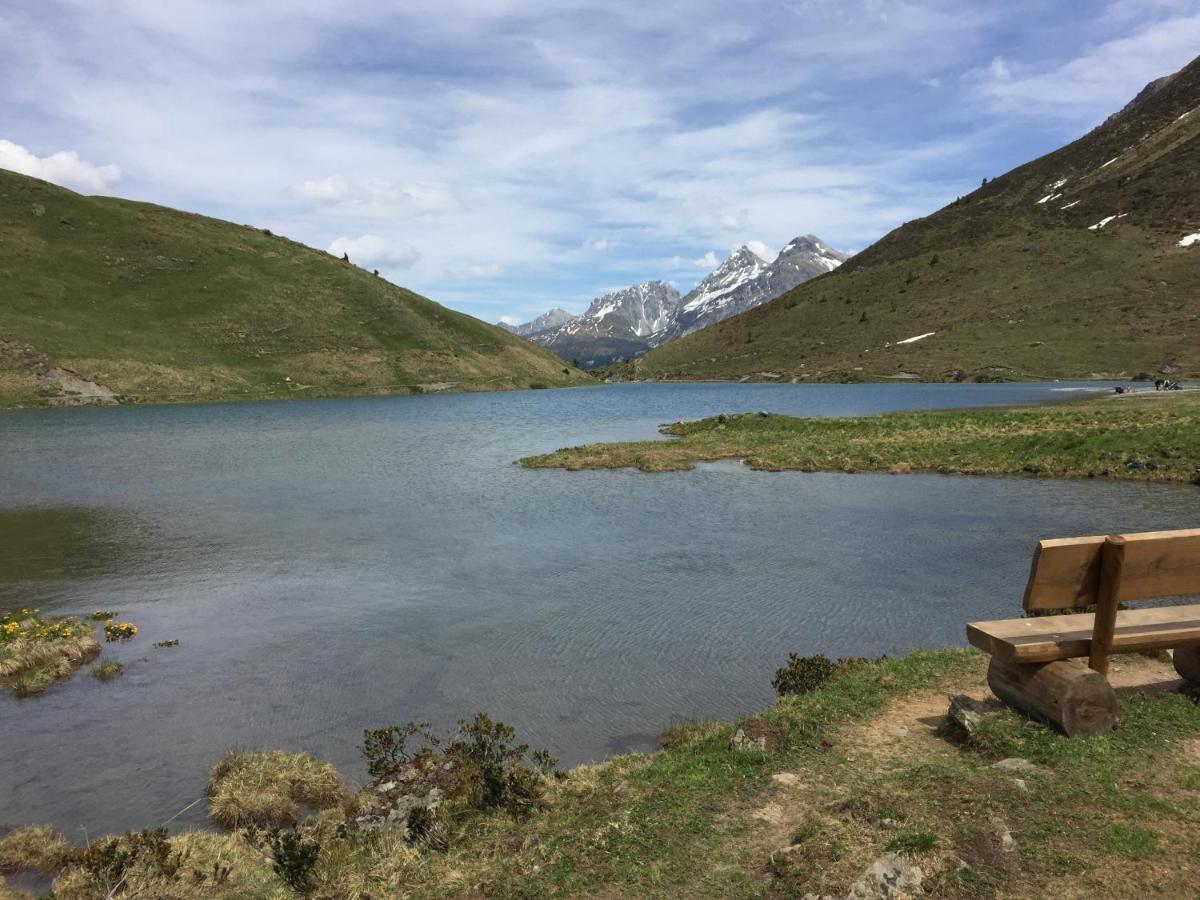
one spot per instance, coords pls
(625, 324)
(102, 298)
(745, 281)
(547, 320)
(615, 326)
(1081, 263)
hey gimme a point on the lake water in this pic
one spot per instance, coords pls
(330, 566)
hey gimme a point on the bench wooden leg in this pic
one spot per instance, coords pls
(1187, 663)
(1065, 693)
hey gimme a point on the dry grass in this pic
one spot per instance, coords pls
(268, 788)
(35, 848)
(28, 667)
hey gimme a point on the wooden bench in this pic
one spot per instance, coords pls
(1034, 663)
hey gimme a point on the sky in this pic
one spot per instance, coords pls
(507, 156)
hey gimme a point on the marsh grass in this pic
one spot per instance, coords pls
(108, 670)
(268, 788)
(35, 848)
(30, 665)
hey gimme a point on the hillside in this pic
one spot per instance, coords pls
(102, 298)
(1073, 265)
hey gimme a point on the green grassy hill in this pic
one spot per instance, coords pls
(101, 296)
(1013, 287)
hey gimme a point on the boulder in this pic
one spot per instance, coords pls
(1004, 836)
(891, 877)
(1015, 764)
(743, 743)
(966, 713)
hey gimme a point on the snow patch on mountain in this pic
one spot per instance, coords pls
(1105, 221)
(746, 280)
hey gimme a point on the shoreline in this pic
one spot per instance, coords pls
(809, 795)
(435, 388)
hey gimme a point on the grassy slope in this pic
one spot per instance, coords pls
(1084, 439)
(1013, 288)
(158, 304)
(861, 767)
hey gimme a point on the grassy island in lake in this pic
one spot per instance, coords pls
(1146, 436)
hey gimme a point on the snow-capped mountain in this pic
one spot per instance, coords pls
(625, 324)
(552, 319)
(614, 326)
(746, 280)
(636, 311)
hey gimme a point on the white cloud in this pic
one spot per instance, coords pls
(1089, 87)
(477, 270)
(379, 197)
(510, 320)
(758, 248)
(63, 168)
(598, 244)
(370, 250)
(731, 222)
(708, 261)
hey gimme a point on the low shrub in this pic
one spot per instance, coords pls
(107, 864)
(268, 788)
(478, 765)
(803, 674)
(293, 858)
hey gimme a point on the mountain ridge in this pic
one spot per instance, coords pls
(620, 326)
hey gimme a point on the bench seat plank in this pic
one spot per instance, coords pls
(1047, 638)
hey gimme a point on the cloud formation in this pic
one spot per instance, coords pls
(553, 147)
(378, 197)
(371, 250)
(64, 168)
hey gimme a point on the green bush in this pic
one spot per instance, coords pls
(294, 858)
(479, 764)
(803, 674)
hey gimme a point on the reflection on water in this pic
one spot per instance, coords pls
(59, 544)
(330, 566)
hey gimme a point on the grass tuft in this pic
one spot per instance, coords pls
(108, 670)
(268, 788)
(35, 848)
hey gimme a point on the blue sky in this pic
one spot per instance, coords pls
(505, 156)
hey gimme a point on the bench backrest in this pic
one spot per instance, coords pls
(1066, 572)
